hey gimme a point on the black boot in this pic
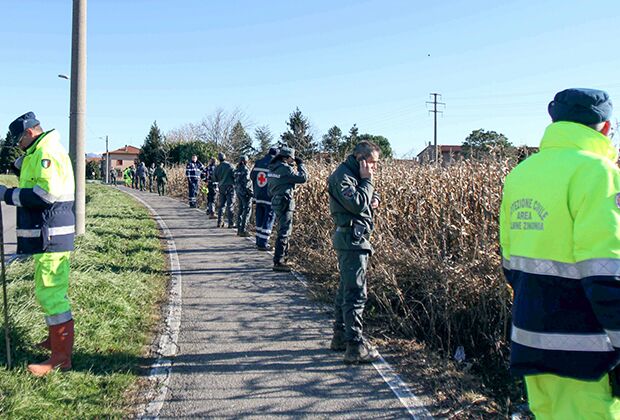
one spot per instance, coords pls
(282, 267)
(360, 352)
(338, 341)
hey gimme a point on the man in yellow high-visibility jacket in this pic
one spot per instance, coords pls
(560, 239)
(46, 230)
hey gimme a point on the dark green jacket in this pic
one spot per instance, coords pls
(243, 183)
(160, 174)
(349, 204)
(282, 180)
(223, 174)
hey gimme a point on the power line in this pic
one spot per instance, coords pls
(435, 111)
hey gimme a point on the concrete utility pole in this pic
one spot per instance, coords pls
(77, 115)
(107, 162)
(435, 111)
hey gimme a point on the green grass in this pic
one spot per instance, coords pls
(117, 279)
(9, 180)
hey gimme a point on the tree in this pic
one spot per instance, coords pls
(93, 169)
(217, 127)
(240, 142)
(349, 142)
(181, 152)
(265, 139)
(9, 152)
(481, 143)
(332, 141)
(382, 142)
(298, 135)
(153, 147)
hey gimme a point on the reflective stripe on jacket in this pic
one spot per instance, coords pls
(193, 170)
(44, 198)
(560, 239)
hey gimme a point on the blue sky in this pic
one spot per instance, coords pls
(373, 63)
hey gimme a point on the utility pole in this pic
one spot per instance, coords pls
(77, 115)
(435, 111)
(107, 162)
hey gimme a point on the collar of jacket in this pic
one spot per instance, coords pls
(570, 135)
(52, 134)
(353, 165)
(275, 165)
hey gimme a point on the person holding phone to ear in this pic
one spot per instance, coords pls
(282, 181)
(352, 201)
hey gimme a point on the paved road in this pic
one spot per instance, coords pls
(252, 344)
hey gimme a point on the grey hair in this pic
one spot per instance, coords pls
(365, 148)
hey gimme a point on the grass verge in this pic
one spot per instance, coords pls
(117, 279)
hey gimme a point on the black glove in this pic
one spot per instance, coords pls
(298, 161)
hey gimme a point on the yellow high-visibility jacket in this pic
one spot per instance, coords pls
(560, 239)
(44, 198)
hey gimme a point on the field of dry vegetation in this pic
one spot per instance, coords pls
(435, 275)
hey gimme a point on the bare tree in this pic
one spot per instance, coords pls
(185, 133)
(217, 126)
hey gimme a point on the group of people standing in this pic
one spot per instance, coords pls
(270, 184)
(138, 176)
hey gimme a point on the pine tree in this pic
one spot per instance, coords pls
(298, 136)
(240, 142)
(9, 152)
(265, 139)
(350, 141)
(331, 142)
(153, 147)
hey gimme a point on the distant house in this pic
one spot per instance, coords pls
(447, 153)
(120, 159)
(450, 153)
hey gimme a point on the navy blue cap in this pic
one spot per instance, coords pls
(585, 106)
(273, 151)
(21, 124)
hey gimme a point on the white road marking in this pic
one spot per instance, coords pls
(161, 370)
(163, 367)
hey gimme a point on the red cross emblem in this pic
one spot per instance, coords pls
(262, 179)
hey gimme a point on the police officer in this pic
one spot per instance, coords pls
(134, 178)
(560, 242)
(151, 174)
(161, 178)
(141, 174)
(264, 213)
(352, 200)
(46, 229)
(192, 172)
(282, 181)
(243, 190)
(224, 176)
(211, 186)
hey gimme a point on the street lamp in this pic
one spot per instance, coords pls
(107, 160)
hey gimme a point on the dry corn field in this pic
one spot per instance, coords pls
(435, 274)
